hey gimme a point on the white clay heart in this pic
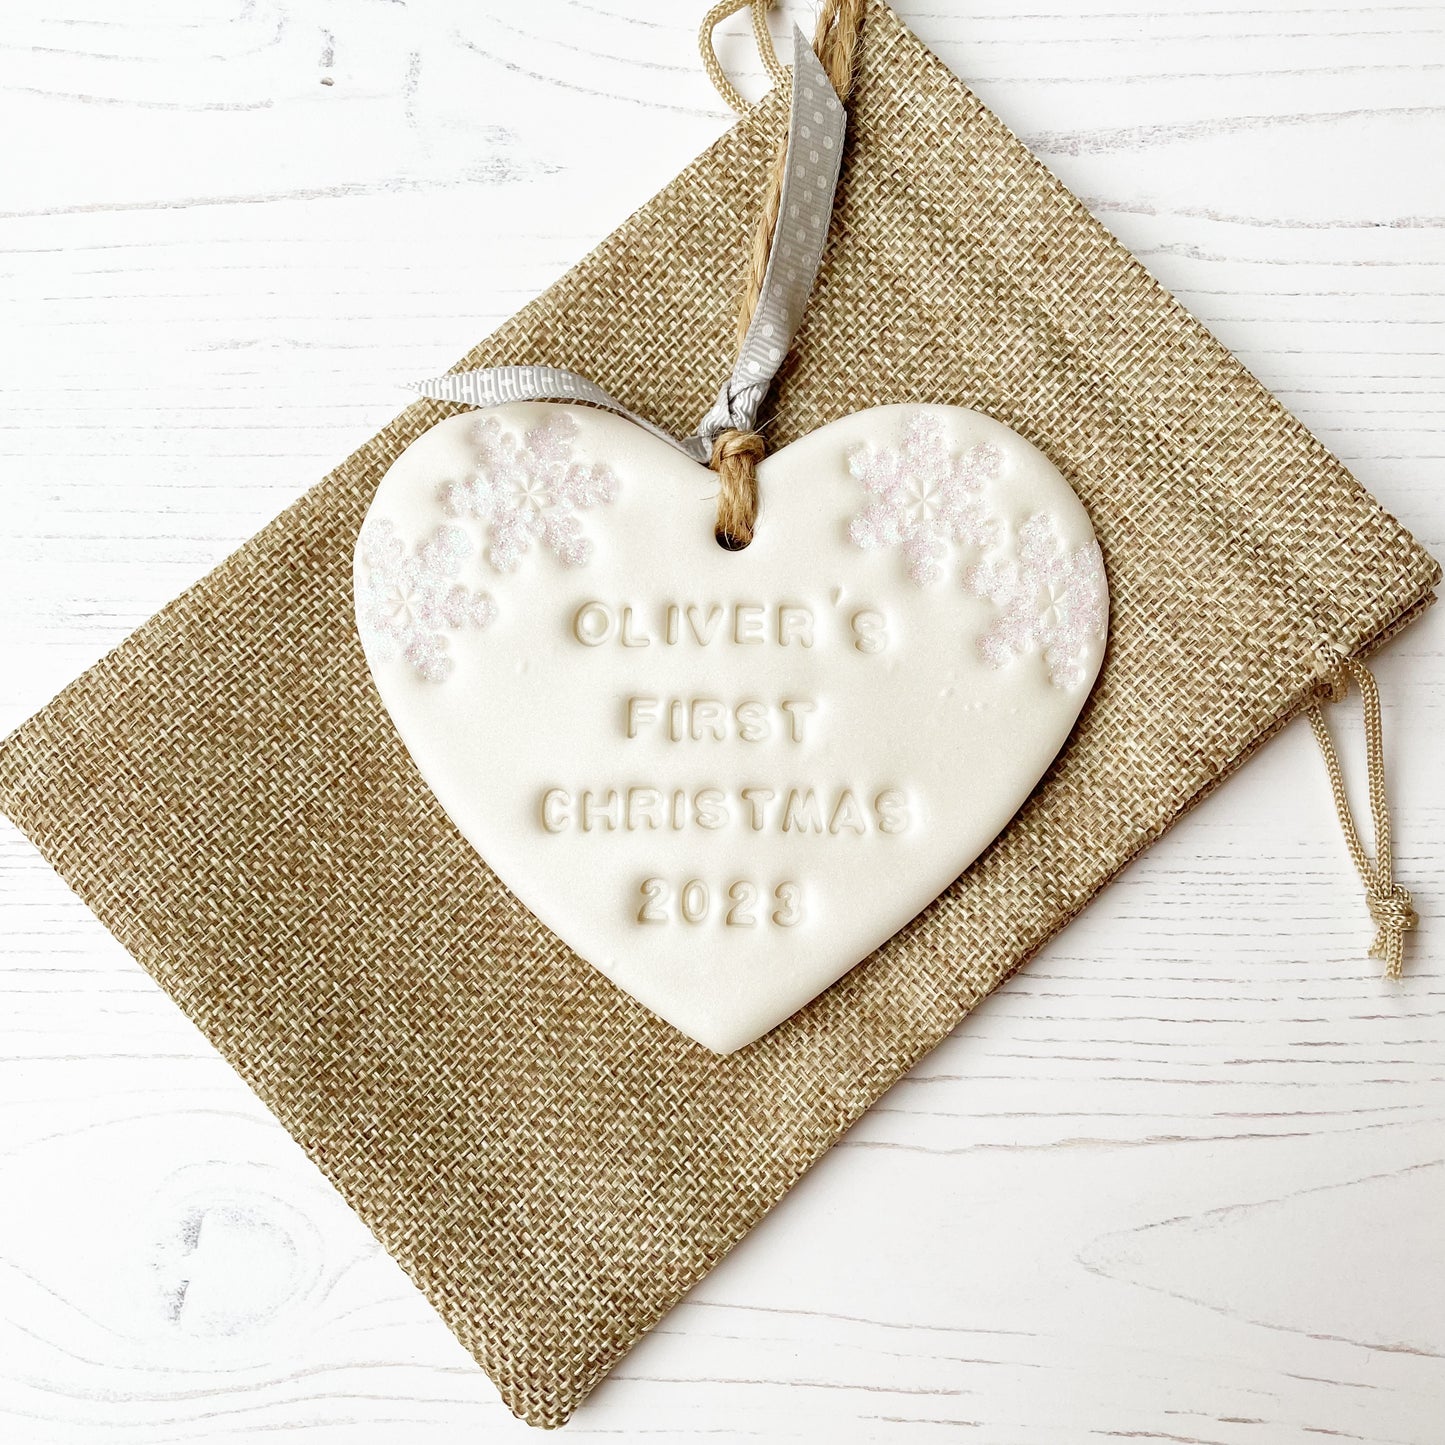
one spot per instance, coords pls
(724, 778)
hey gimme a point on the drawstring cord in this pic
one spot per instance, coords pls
(1390, 905)
(715, 73)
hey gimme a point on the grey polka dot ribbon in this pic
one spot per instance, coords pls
(816, 121)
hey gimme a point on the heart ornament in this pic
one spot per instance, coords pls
(725, 778)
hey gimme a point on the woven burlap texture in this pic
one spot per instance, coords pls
(552, 1164)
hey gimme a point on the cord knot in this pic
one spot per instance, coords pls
(1393, 911)
(729, 445)
(735, 458)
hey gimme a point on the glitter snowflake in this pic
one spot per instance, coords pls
(924, 496)
(1050, 600)
(530, 488)
(409, 602)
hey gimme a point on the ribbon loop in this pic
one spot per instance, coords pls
(816, 123)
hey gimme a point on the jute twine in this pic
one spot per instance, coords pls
(554, 1166)
(736, 454)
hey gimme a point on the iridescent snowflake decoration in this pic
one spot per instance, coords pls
(530, 488)
(409, 602)
(1050, 600)
(924, 496)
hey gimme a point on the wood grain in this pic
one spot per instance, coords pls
(1179, 1181)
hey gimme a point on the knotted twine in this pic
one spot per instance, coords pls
(736, 452)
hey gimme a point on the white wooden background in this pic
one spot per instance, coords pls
(1184, 1180)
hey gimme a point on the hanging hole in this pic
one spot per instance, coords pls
(730, 543)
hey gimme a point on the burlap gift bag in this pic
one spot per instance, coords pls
(552, 1164)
